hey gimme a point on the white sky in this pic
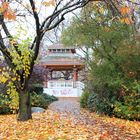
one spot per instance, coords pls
(28, 23)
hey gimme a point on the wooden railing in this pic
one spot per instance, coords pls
(64, 84)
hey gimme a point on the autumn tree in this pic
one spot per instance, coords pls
(20, 51)
(86, 28)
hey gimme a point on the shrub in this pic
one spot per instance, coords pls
(8, 103)
(129, 111)
(106, 82)
(99, 105)
(116, 95)
(91, 103)
(4, 108)
(37, 89)
(42, 100)
(84, 98)
(129, 108)
(38, 98)
(9, 99)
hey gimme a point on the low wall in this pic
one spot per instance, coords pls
(63, 92)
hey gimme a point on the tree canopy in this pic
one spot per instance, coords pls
(114, 65)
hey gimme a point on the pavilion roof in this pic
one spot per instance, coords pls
(62, 61)
(59, 46)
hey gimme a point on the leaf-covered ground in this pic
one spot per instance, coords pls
(65, 125)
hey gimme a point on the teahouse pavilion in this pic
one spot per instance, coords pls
(63, 66)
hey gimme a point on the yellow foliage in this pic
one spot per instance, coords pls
(1, 9)
(3, 79)
(13, 103)
(22, 61)
(126, 20)
(14, 79)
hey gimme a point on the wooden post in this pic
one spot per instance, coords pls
(75, 77)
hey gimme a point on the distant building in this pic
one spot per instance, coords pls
(63, 67)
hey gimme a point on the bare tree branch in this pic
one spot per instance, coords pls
(35, 16)
(56, 13)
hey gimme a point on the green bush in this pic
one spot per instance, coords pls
(129, 111)
(42, 100)
(91, 103)
(129, 108)
(9, 100)
(84, 98)
(106, 82)
(36, 89)
(4, 108)
(99, 105)
(116, 92)
(8, 104)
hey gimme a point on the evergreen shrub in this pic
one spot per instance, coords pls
(42, 100)
(84, 98)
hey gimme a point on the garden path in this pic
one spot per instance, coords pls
(69, 105)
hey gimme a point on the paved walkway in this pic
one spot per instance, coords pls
(68, 105)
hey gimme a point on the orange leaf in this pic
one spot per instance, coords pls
(5, 5)
(7, 11)
(10, 15)
(125, 10)
(126, 20)
(49, 3)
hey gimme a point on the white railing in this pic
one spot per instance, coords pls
(80, 85)
(65, 84)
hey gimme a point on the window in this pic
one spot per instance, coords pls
(54, 50)
(58, 50)
(67, 50)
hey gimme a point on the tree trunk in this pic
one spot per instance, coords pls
(24, 105)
